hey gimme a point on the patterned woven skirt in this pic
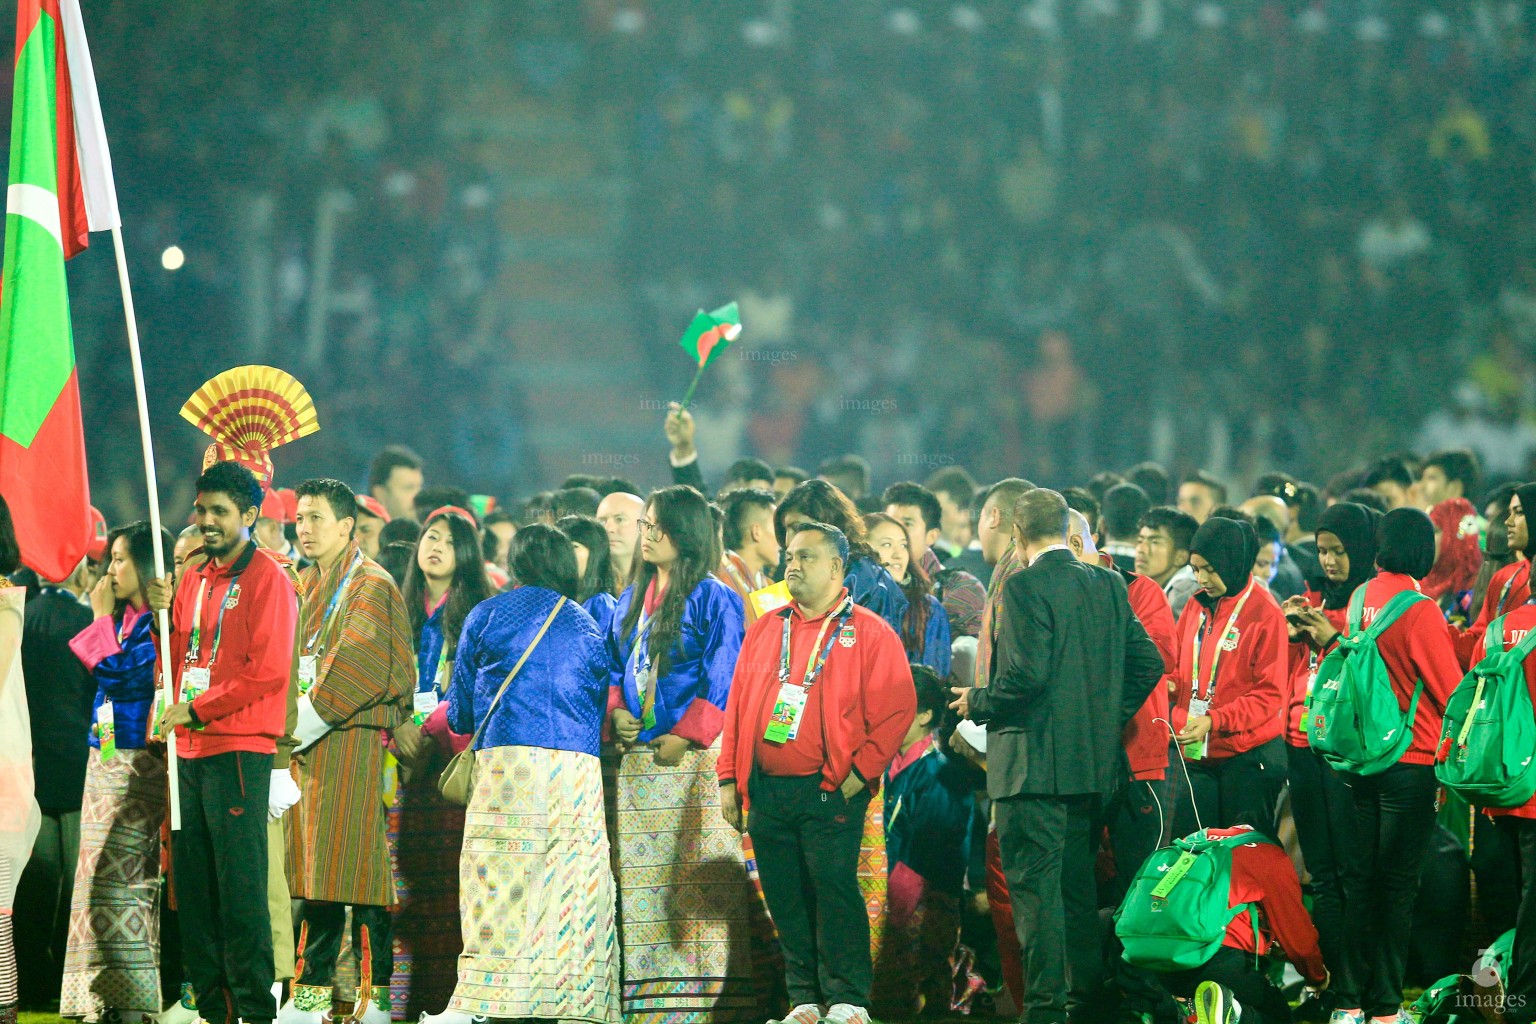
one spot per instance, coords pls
(113, 957)
(426, 833)
(683, 895)
(535, 890)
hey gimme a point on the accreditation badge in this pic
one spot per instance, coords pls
(106, 730)
(194, 683)
(784, 723)
(424, 703)
(307, 669)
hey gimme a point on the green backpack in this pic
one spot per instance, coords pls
(1356, 724)
(1488, 742)
(1437, 1004)
(1177, 910)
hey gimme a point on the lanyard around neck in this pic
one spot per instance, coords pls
(330, 609)
(814, 663)
(231, 595)
(1226, 633)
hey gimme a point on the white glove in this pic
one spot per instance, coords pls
(311, 727)
(284, 793)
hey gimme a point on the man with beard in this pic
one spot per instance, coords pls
(231, 657)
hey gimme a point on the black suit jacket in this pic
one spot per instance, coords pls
(60, 697)
(1072, 665)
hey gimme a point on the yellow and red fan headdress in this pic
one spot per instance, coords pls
(248, 411)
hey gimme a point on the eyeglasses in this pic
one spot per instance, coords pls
(650, 529)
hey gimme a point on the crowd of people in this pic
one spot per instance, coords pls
(803, 750)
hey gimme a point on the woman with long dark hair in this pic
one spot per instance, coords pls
(538, 904)
(19, 813)
(868, 582)
(682, 879)
(112, 962)
(594, 567)
(444, 583)
(925, 626)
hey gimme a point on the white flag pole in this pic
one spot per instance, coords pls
(154, 513)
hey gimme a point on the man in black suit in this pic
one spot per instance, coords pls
(1072, 667)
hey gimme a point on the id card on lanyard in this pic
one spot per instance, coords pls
(195, 678)
(426, 698)
(309, 660)
(784, 722)
(1200, 704)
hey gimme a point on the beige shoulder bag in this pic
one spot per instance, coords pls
(458, 779)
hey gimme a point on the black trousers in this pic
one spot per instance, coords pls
(807, 844)
(1261, 1002)
(1520, 986)
(1243, 789)
(326, 923)
(1140, 821)
(1394, 822)
(220, 871)
(1324, 810)
(1047, 853)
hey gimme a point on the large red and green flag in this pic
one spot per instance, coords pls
(60, 188)
(710, 333)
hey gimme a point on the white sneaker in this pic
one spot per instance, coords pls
(307, 995)
(177, 1013)
(375, 1014)
(805, 1013)
(1346, 1017)
(846, 1013)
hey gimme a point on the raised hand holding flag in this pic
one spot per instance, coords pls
(707, 336)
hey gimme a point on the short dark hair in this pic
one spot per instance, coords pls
(1370, 497)
(1343, 482)
(542, 556)
(1099, 484)
(1181, 526)
(1266, 529)
(1457, 464)
(430, 499)
(390, 458)
(917, 496)
(957, 484)
(851, 468)
(1306, 506)
(575, 501)
(1152, 478)
(1233, 513)
(932, 695)
(1042, 514)
(1204, 479)
(743, 470)
(533, 508)
(340, 497)
(615, 485)
(1007, 491)
(1124, 505)
(233, 480)
(1079, 499)
(794, 473)
(829, 533)
(580, 480)
(399, 531)
(735, 507)
(1393, 469)
(1276, 483)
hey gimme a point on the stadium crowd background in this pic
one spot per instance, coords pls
(1039, 237)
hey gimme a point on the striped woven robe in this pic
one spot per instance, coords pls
(337, 849)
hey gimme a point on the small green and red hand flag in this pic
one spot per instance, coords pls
(708, 335)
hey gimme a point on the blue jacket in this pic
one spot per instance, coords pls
(935, 652)
(928, 816)
(690, 698)
(127, 679)
(600, 606)
(429, 647)
(557, 699)
(870, 585)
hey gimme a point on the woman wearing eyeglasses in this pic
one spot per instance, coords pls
(672, 649)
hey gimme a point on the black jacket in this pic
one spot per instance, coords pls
(1072, 666)
(60, 697)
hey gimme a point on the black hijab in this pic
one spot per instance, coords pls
(1405, 543)
(1231, 546)
(1527, 495)
(1355, 526)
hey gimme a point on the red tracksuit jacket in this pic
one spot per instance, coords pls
(1517, 624)
(1302, 670)
(1146, 739)
(1509, 589)
(1253, 680)
(1263, 874)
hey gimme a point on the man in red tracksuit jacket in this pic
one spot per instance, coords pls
(820, 702)
(234, 620)
(1231, 986)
